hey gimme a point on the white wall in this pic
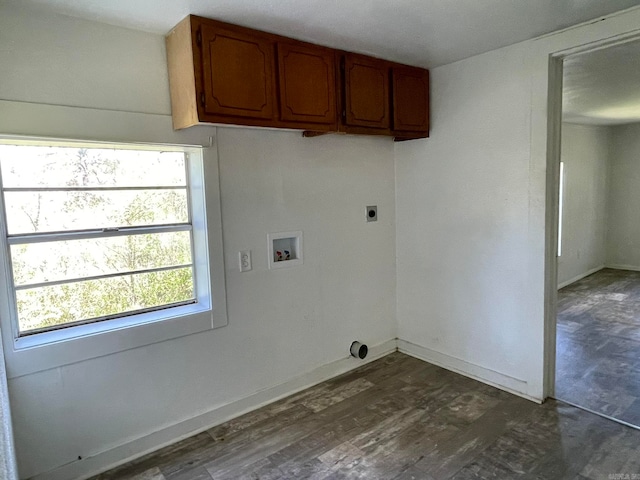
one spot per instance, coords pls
(8, 463)
(462, 222)
(602, 198)
(586, 157)
(49, 59)
(472, 249)
(282, 323)
(470, 238)
(623, 242)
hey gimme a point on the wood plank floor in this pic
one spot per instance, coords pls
(598, 344)
(400, 418)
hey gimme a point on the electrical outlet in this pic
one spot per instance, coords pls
(244, 258)
(372, 213)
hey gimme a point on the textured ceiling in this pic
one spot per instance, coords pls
(603, 87)
(420, 32)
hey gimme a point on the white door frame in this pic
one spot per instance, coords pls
(554, 133)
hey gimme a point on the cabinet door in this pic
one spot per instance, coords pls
(410, 99)
(238, 73)
(307, 83)
(366, 92)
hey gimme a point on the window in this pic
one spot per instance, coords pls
(95, 233)
(560, 208)
(107, 246)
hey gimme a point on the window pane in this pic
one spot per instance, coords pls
(48, 189)
(44, 166)
(62, 304)
(54, 261)
(30, 212)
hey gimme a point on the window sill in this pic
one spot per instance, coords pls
(74, 344)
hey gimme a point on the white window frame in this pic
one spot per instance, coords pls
(41, 351)
(561, 206)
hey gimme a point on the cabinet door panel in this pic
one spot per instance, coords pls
(238, 73)
(307, 83)
(410, 99)
(366, 92)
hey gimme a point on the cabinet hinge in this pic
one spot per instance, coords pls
(199, 38)
(203, 100)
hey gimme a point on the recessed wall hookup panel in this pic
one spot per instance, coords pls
(285, 249)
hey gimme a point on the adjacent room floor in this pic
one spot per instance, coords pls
(598, 344)
(400, 418)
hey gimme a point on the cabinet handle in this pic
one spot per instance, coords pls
(203, 100)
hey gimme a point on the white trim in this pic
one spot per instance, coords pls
(90, 189)
(78, 123)
(212, 235)
(561, 206)
(88, 278)
(633, 268)
(583, 275)
(134, 130)
(61, 236)
(55, 348)
(599, 413)
(50, 349)
(551, 197)
(130, 450)
(546, 125)
(485, 375)
(8, 462)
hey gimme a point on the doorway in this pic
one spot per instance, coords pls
(598, 264)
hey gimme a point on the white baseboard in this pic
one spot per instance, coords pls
(583, 275)
(490, 377)
(130, 450)
(633, 268)
(100, 462)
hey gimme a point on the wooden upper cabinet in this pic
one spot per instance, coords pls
(366, 92)
(410, 99)
(221, 73)
(226, 74)
(238, 70)
(307, 77)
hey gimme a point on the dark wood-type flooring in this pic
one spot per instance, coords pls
(598, 344)
(400, 418)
